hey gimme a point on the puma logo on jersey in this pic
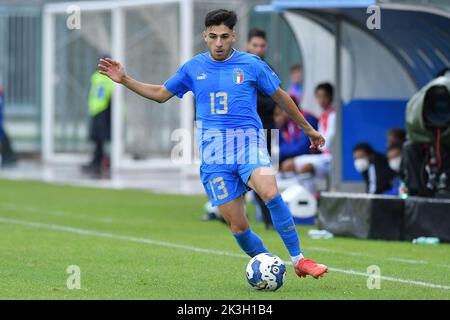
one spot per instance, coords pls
(202, 76)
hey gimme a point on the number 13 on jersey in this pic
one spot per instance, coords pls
(218, 188)
(219, 102)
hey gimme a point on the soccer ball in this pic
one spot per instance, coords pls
(266, 271)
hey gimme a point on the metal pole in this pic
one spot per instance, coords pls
(337, 143)
(276, 41)
(118, 36)
(187, 48)
(48, 80)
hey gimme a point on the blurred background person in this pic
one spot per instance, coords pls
(257, 45)
(257, 42)
(374, 168)
(396, 136)
(295, 88)
(7, 155)
(313, 166)
(99, 102)
(292, 140)
(394, 157)
(2, 99)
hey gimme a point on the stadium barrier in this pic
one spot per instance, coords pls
(383, 217)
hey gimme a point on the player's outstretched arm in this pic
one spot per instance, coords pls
(285, 101)
(116, 72)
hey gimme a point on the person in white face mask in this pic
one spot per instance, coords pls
(394, 156)
(374, 168)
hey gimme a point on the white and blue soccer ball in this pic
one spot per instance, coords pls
(266, 271)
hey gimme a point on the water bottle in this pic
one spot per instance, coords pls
(320, 234)
(426, 240)
(403, 191)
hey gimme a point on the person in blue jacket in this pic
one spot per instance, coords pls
(292, 140)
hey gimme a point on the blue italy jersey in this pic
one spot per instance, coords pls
(225, 91)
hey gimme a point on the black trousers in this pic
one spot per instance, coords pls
(98, 153)
(8, 155)
(100, 133)
(265, 212)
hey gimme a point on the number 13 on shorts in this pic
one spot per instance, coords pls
(218, 188)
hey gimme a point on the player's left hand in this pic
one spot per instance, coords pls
(317, 141)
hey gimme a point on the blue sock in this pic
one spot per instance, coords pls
(250, 243)
(284, 224)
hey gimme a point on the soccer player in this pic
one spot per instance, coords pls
(225, 83)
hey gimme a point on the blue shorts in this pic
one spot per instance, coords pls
(225, 182)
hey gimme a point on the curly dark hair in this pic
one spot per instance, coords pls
(221, 16)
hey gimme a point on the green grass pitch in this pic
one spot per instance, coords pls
(139, 245)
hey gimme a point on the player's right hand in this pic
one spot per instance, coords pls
(317, 140)
(112, 68)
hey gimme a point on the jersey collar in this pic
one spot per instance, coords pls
(231, 55)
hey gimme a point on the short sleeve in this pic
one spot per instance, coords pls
(267, 80)
(179, 83)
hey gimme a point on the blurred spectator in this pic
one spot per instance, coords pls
(2, 99)
(292, 140)
(257, 45)
(396, 136)
(394, 157)
(295, 88)
(99, 101)
(314, 166)
(257, 42)
(7, 156)
(374, 167)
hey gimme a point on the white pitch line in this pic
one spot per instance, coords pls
(86, 232)
(108, 220)
(410, 261)
(417, 283)
(55, 213)
(358, 273)
(359, 254)
(39, 225)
